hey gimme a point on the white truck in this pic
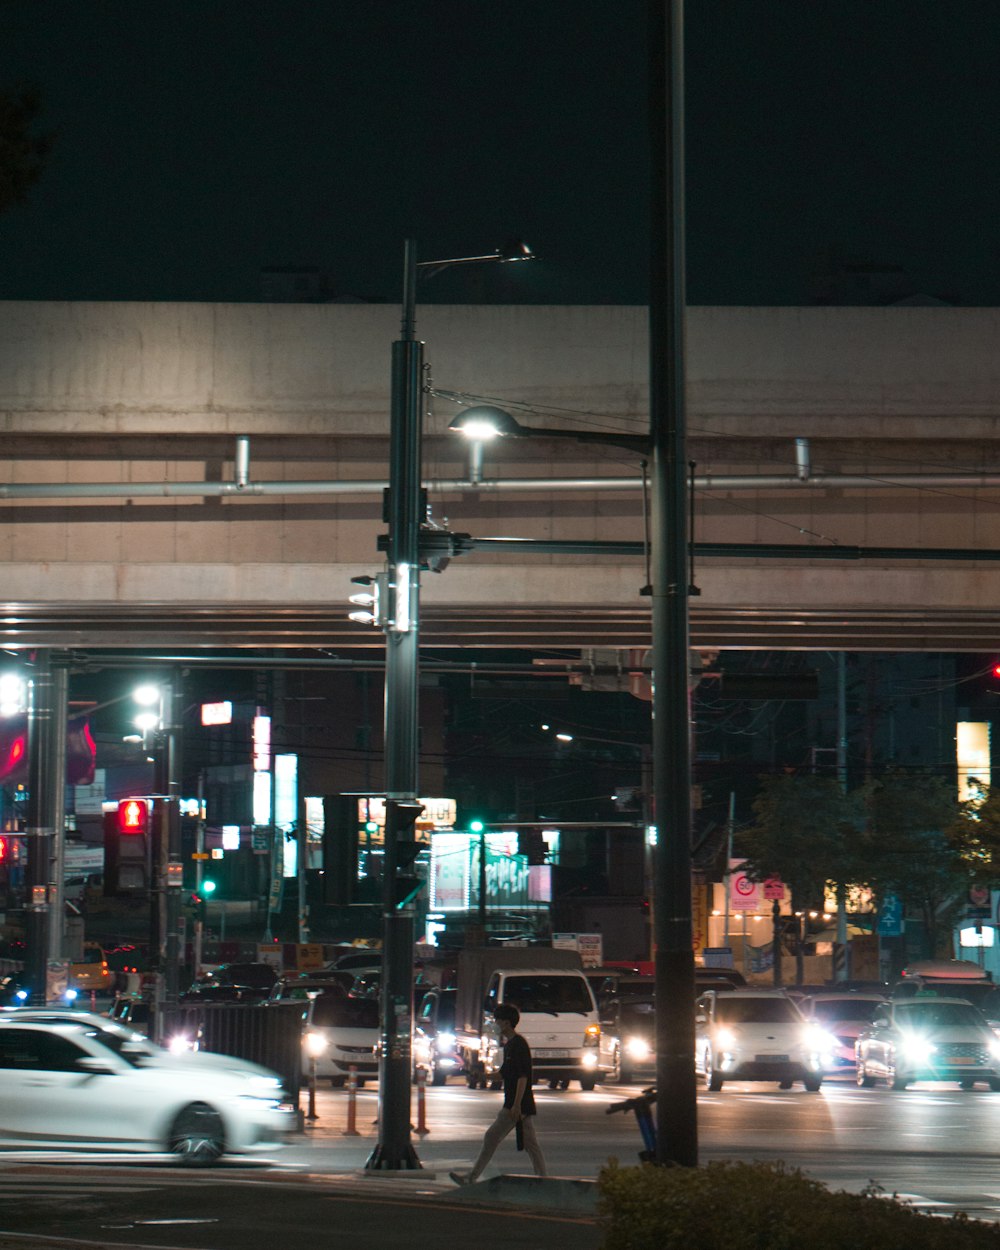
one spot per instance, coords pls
(558, 1014)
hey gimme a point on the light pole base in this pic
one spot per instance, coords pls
(385, 1159)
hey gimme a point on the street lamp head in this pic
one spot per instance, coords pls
(514, 250)
(484, 422)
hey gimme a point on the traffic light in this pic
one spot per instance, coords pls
(127, 847)
(402, 847)
(133, 816)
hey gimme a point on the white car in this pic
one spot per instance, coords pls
(928, 1039)
(342, 1033)
(62, 1087)
(758, 1035)
(179, 1050)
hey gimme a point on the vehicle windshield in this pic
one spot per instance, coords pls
(861, 1010)
(926, 1012)
(730, 1009)
(133, 1049)
(639, 1016)
(446, 1013)
(337, 1011)
(543, 993)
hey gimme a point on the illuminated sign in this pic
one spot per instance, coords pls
(230, 837)
(972, 752)
(217, 713)
(261, 745)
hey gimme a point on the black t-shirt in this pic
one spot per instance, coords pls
(517, 1063)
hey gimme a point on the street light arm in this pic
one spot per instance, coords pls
(484, 421)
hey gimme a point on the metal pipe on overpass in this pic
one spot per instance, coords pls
(374, 486)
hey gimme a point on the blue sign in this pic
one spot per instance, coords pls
(890, 916)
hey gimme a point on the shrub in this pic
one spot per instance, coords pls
(765, 1206)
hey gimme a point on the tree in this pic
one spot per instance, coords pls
(975, 838)
(22, 151)
(914, 851)
(808, 832)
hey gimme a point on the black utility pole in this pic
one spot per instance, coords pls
(404, 513)
(40, 826)
(676, 1107)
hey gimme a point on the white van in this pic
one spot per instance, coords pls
(558, 1020)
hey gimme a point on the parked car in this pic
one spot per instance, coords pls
(928, 1039)
(757, 1035)
(434, 1043)
(628, 1038)
(91, 971)
(233, 983)
(63, 1087)
(843, 1016)
(132, 1011)
(732, 975)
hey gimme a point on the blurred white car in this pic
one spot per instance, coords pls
(62, 1087)
(179, 1051)
(928, 1039)
(758, 1035)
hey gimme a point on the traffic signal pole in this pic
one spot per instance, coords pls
(394, 1150)
(40, 827)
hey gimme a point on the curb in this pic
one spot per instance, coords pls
(559, 1193)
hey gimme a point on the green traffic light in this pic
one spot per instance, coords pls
(476, 826)
(208, 887)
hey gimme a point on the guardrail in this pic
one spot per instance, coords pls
(269, 1034)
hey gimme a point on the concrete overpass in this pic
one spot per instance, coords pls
(204, 476)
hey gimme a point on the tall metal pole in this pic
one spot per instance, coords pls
(677, 1130)
(171, 751)
(405, 514)
(56, 780)
(39, 827)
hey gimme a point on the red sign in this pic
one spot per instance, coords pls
(774, 888)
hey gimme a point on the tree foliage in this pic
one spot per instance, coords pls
(807, 831)
(974, 834)
(22, 150)
(913, 851)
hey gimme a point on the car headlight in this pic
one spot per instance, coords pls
(917, 1049)
(637, 1048)
(315, 1044)
(179, 1044)
(445, 1041)
(820, 1040)
(994, 1047)
(588, 1059)
(726, 1038)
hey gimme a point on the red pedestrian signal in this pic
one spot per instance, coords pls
(133, 816)
(3, 850)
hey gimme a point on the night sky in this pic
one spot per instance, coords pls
(198, 141)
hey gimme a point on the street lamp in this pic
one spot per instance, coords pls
(158, 721)
(405, 514)
(670, 814)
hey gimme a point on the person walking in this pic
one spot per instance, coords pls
(518, 1110)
